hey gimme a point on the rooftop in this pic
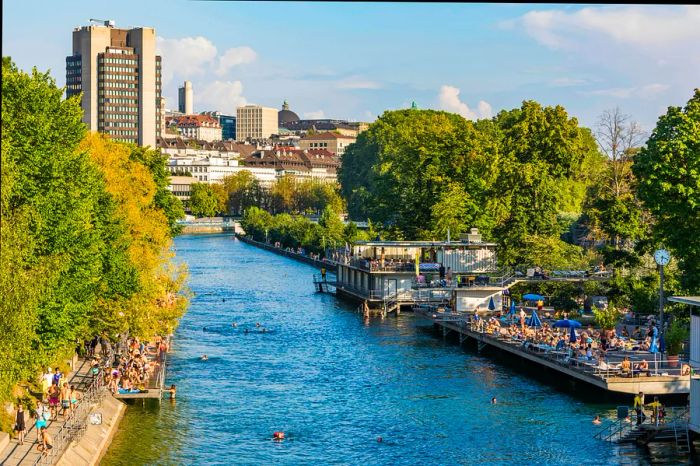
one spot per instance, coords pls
(422, 244)
(327, 135)
(690, 300)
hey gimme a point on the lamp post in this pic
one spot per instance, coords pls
(662, 258)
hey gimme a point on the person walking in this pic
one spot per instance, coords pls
(45, 442)
(20, 424)
(639, 407)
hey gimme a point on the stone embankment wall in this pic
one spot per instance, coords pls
(292, 255)
(92, 446)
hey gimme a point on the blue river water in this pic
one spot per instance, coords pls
(334, 383)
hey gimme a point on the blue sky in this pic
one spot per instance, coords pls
(355, 60)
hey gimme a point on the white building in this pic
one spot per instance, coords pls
(199, 127)
(255, 122)
(694, 360)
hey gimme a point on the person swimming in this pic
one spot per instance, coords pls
(596, 420)
(257, 324)
(494, 401)
(264, 330)
(245, 331)
(234, 325)
(204, 357)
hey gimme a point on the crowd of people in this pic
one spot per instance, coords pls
(136, 366)
(591, 346)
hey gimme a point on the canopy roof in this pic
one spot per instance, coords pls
(421, 244)
(691, 300)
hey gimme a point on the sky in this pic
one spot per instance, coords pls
(355, 60)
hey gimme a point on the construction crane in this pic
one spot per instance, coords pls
(105, 22)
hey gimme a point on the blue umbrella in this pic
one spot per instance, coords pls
(534, 320)
(533, 297)
(512, 307)
(572, 335)
(492, 305)
(566, 323)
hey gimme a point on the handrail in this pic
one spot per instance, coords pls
(76, 422)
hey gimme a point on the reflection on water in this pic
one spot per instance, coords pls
(334, 382)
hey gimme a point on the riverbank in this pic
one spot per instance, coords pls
(330, 266)
(92, 446)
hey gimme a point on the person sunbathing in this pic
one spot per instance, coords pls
(626, 367)
(643, 367)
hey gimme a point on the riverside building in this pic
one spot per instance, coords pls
(119, 75)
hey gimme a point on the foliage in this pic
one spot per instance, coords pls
(674, 337)
(607, 318)
(668, 174)
(84, 232)
(204, 201)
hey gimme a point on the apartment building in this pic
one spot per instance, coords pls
(255, 122)
(119, 75)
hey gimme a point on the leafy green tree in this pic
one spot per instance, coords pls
(203, 200)
(332, 226)
(164, 199)
(243, 191)
(668, 183)
(454, 212)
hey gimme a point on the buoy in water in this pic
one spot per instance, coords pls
(380, 440)
(279, 435)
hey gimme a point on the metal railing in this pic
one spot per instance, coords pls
(75, 425)
(675, 417)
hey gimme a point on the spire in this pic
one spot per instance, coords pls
(285, 105)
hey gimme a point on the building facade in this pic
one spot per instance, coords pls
(227, 122)
(255, 122)
(185, 96)
(119, 75)
(333, 142)
(198, 127)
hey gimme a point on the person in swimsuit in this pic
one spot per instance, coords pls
(42, 415)
(73, 396)
(45, 444)
(20, 425)
(65, 398)
(172, 391)
(53, 401)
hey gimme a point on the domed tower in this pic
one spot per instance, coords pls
(285, 115)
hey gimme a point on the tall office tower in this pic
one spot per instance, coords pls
(255, 122)
(184, 98)
(119, 74)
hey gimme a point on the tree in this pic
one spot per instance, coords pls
(453, 212)
(333, 227)
(243, 191)
(668, 183)
(282, 194)
(203, 200)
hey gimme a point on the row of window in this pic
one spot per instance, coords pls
(120, 77)
(123, 69)
(121, 116)
(118, 124)
(120, 61)
(113, 100)
(318, 144)
(113, 92)
(116, 108)
(74, 87)
(122, 85)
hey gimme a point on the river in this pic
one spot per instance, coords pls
(335, 383)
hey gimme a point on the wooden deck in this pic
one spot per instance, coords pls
(652, 385)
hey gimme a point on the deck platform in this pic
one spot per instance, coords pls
(606, 380)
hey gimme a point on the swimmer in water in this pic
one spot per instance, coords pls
(223, 300)
(264, 330)
(596, 420)
(494, 401)
(204, 357)
(234, 325)
(257, 324)
(246, 331)
(204, 329)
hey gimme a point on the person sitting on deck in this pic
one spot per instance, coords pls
(626, 367)
(643, 367)
(685, 370)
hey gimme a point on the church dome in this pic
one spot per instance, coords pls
(285, 115)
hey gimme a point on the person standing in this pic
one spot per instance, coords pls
(20, 424)
(323, 274)
(639, 407)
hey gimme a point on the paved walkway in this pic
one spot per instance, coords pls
(27, 454)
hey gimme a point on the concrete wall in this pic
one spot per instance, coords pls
(88, 42)
(144, 42)
(468, 299)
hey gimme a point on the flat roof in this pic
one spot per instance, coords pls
(691, 300)
(420, 244)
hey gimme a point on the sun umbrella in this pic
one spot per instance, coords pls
(533, 297)
(512, 307)
(566, 323)
(654, 347)
(492, 305)
(572, 335)
(534, 320)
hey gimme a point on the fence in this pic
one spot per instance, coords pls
(75, 424)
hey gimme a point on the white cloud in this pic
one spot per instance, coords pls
(315, 115)
(449, 100)
(185, 57)
(647, 91)
(643, 26)
(225, 96)
(357, 82)
(233, 57)
(567, 82)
